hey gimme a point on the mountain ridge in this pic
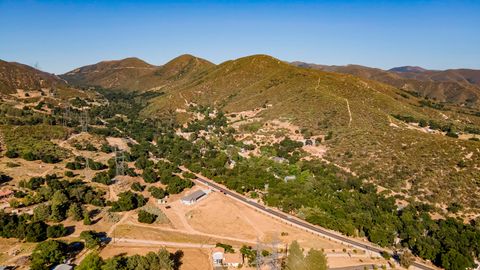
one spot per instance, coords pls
(459, 86)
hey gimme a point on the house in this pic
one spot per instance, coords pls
(193, 197)
(232, 259)
(289, 178)
(63, 267)
(217, 256)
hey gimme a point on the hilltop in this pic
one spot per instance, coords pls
(135, 74)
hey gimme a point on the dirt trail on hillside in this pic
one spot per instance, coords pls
(349, 113)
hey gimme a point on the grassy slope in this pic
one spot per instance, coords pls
(318, 101)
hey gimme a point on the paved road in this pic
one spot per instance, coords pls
(300, 223)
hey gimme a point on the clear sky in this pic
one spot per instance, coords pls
(63, 35)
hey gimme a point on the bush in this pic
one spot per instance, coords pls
(146, 217)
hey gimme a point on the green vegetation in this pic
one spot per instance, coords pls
(128, 201)
(48, 254)
(103, 178)
(157, 193)
(92, 239)
(226, 248)
(33, 142)
(146, 217)
(137, 187)
(161, 260)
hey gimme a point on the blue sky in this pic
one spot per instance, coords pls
(63, 35)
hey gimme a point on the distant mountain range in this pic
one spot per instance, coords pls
(461, 86)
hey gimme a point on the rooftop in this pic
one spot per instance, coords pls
(232, 258)
(194, 196)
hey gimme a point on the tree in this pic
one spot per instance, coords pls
(91, 262)
(149, 175)
(75, 211)
(146, 217)
(128, 201)
(36, 231)
(316, 260)
(91, 239)
(454, 260)
(295, 257)
(157, 193)
(86, 219)
(56, 231)
(103, 178)
(137, 187)
(47, 254)
(42, 212)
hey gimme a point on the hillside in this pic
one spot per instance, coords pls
(19, 80)
(458, 86)
(366, 138)
(366, 115)
(136, 74)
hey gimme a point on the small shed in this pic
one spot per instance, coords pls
(193, 197)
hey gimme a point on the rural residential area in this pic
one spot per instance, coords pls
(185, 135)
